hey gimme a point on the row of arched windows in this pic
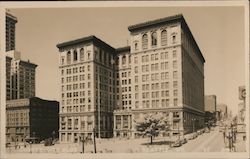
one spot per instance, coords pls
(154, 39)
(75, 56)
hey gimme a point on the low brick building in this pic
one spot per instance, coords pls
(31, 117)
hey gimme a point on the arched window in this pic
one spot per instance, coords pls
(129, 59)
(154, 39)
(96, 55)
(62, 60)
(100, 56)
(164, 37)
(75, 55)
(174, 38)
(123, 59)
(136, 45)
(109, 60)
(117, 61)
(68, 57)
(144, 41)
(82, 54)
(105, 57)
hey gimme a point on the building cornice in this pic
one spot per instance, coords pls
(89, 39)
(157, 22)
(168, 20)
(28, 63)
(123, 50)
(8, 15)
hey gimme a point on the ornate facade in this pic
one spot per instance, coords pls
(161, 71)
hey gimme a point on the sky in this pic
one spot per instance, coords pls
(218, 31)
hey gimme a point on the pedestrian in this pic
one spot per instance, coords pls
(224, 135)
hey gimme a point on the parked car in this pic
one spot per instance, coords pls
(199, 132)
(177, 143)
(48, 142)
(183, 141)
(221, 128)
(193, 136)
(207, 130)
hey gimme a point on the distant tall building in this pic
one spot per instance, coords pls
(222, 108)
(241, 121)
(162, 71)
(210, 103)
(26, 115)
(10, 31)
(20, 77)
(31, 117)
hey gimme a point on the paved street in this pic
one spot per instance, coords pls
(206, 142)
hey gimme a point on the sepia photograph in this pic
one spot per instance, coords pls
(139, 79)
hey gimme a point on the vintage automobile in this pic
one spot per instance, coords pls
(177, 143)
(183, 141)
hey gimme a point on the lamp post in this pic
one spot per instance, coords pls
(193, 121)
(179, 130)
(30, 142)
(82, 140)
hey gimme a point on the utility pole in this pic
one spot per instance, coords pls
(94, 140)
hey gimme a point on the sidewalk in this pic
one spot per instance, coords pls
(240, 144)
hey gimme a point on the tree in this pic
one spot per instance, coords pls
(152, 124)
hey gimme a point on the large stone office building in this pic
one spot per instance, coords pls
(161, 71)
(87, 88)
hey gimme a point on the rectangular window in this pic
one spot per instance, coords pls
(167, 102)
(136, 95)
(175, 102)
(136, 79)
(175, 74)
(143, 68)
(152, 67)
(175, 93)
(135, 59)
(152, 57)
(167, 75)
(162, 55)
(143, 59)
(174, 64)
(137, 104)
(167, 93)
(136, 87)
(156, 66)
(174, 54)
(175, 84)
(152, 77)
(166, 55)
(136, 69)
(156, 56)
(163, 76)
